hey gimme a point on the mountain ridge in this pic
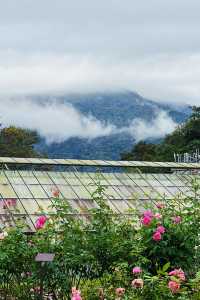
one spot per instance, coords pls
(118, 109)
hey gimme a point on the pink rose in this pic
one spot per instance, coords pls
(160, 205)
(148, 213)
(158, 216)
(76, 294)
(146, 221)
(11, 202)
(157, 236)
(178, 273)
(55, 193)
(174, 286)
(160, 229)
(176, 219)
(137, 283)
(137, 270)
(120, 292)
(40, 222)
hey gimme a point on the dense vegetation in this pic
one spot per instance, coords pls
(118, 109)
(149, 255)
(185, 138)
(18, 142)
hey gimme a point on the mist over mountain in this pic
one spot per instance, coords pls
(123, 117)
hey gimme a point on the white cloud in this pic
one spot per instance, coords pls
(158, 128)
(148, 46)
(170, 78)
(57, 122)
(54, 122)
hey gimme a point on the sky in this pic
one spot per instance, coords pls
(64, 46)
(152, 47)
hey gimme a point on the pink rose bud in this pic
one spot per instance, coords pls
(160, 205)
(146, 221)
(40, 222)
(158, 216)
(160, 229)
(137, 283)
(56, 193)
(137, 270)
(157, 236)
(178, 273)
(174, 286)
(120, 292)
(176, 219)
(148, 213)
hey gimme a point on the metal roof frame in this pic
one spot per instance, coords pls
(96, 163)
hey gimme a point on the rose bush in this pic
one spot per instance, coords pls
(151, 254)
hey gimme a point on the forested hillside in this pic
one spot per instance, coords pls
(186, 138)
(118, 109)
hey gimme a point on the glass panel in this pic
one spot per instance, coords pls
(28, 177)
(138, 193)
(22, 191)
(45, 205)
(126, 193)
(110, 191)
(121, 205)
(74, 204)
(30, 205)
(82, 192)
(121, 195)
(57, 178)
(132, 203)
(67, 192)
(140, 182)
(3, 178)
(49, 190)
(43, 178)
(73, 181)
(91, 188)
(6, 220)
(163, 192)
(26, 220)
(81, 207)
(14, 177)
(173, 190)
(13, 205)
(112, 205)
(6, 191)
(90, 204)
(37, 191)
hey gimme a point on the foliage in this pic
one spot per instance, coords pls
(185, 138)
(152, 254)
(18, 142)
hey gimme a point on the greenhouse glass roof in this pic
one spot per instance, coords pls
(26, 192)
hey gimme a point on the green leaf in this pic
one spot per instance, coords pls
(166, 267)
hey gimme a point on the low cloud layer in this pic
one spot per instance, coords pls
(57, 122)
(170, 78)
(54, 122)
(158, 128)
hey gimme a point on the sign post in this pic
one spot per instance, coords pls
(43, 258)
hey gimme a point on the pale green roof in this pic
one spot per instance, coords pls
(76, 162)
(31, 191)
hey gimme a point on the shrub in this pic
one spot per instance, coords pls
(152, 254)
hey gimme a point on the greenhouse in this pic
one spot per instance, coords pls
(27, 185)
(96, 230)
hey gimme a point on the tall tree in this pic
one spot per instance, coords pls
(18, 142)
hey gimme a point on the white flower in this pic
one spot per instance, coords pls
(3, 235)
